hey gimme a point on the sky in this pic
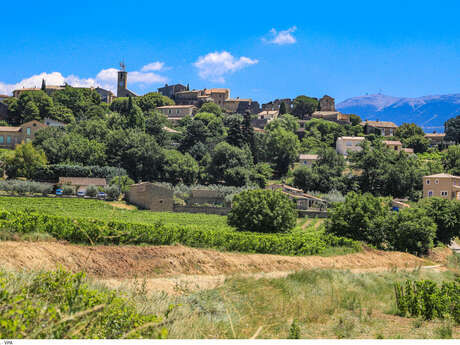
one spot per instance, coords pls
(260, 50)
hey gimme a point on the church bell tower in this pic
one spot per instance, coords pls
(122, 85)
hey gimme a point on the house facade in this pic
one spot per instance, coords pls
(445, 186)
(344, 145)
(384, 128)
(12, 136)
(81, 184)
(177, 111)
(307, 159)
(393, 145)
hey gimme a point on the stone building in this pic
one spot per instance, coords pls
(442, 186)
(107, 96)
(344, 145)
(12, 136)
(151, 196)
(327, 103)
(122, 84)
(308, 159)
(171, 90)
(177, 112)
(219, 96)
(275, 105)
(384, 128)
(81, 184)
(193, 97)
(394, 145)
(334, 116)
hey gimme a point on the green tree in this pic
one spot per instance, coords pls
(25, 160)
(31, 105)
(407, 130)
(211, 107)
(419, 143)
(287, 121)
(446, 215)
(451, 159)
(355, 120)
(150, 101)
(179, 168)
(262, 211)
(235, 135)
(284, 149)
(123, 182)
(78, 100)
(304, 106)
(282, 109)
(452, 129)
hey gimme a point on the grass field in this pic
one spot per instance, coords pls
(321, 304)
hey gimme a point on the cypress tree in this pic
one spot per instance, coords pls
(283, 109)
(43, 85)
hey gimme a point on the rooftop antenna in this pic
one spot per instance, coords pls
(122, 65)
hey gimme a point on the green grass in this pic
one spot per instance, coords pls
(101, 210)
(323, 303)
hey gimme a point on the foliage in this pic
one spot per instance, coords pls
(179, 168)
(407, 130)
(91, 191)
(152, 100)
(262, 211)
(426, 299)
(419, 143)
(284, 149)
(67, 190)
(25, 187)
(52, 172)
(60, 304)
(122, 182)
(77, 100)
(112, 192)
(446, 215)
(287, 121)
(211, 107)
(452, 129)
(304, 106)
(451, 159)
(25, 161)
(91, 231)
(31, 105)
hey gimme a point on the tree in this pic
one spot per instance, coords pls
(78, 100)
(31, 105)
(419, 143)
(452, 129)
(282, 109)
(25, 160)
(304, 106)
(154, 125)
(355, 120)
(407, 130)
(179, 168)
(359, 217)
(284, 149)
(43, 88)
(287, 121)
(211, 107)
(235, 135)
(446, 215)
(122, 182)
(451, 159)
(225, 157)
(248, 133)
(150, 101)
(262, 210)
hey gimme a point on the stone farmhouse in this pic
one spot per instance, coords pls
(441, 185)
(394, 145)
(177, 112)
(384, 128)
(12, 136)
(307, 159)
(81, 184)
(306, 203)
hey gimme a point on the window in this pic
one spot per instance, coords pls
(436, 181)
(427, 181)
(444, 193)
(349, 143)
(177, 111)
(28, 130)
(430, 193)
(169, 111)
(8, 139)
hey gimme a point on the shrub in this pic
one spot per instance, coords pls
(113, 193)
(67, 190)
(52, 172)
(91, 191)
(262, 210)
(446, 215)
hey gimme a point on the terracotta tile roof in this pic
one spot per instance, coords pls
(392, 142)
(380, 124)
(308, 156)
(9, 129)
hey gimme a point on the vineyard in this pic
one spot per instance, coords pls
(91, 231)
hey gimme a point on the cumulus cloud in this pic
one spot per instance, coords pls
(106, 78)
(281, 37)
(214, 66)
(153, 66)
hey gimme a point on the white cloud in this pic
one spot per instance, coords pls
(153, 66)
(281, 37)
(106, 78)
(214, 66)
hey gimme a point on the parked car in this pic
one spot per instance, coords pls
(59, 191)
(80, 193)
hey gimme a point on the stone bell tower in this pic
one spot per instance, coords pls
(122, 84)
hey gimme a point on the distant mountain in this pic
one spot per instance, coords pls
(429, 112)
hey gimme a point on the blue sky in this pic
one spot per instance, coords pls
(263, 50)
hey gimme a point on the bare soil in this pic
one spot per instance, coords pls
(177, 268)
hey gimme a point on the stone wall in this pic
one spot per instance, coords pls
(327, 103)
(151, 197)
(221, 211)
(204, 196)
(312, 213)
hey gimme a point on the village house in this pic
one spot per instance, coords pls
(394, 145)
(303, 200)
(328, 112)
(263, 118)
(81, 184)
(12, 136)
(171, 90)
(344, 145)
(445, 186)
(177, 112)
(384, 128)
(438, 139)
(275, 105)
(219, 96)
(307, 159)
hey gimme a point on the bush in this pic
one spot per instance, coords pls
(262, 210)
(113, 193)
(91, 191)
(446, 215)
(61, 305)
(67, 190)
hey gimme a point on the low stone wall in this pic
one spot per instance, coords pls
(312, 213)
(222, 211)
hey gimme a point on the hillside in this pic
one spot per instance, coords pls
(429, 112)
